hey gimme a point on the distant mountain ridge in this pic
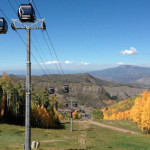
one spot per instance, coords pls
(40, 72)
(124, 74)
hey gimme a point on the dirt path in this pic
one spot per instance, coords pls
(108, 126)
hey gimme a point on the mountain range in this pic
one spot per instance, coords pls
(125, 74)
(129, 74)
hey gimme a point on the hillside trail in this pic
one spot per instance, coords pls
(108, 126)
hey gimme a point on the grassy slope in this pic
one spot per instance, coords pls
(12, 136)
(96, 138)
(105, 139)
(125, 124)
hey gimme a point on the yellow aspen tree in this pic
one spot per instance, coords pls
(145, 117)
(137, 111)
(3, 105)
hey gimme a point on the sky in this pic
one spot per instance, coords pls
(86, 34)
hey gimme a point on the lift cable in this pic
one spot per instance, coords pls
(25, 45)
(37, 43)
(32, 34)
(47, 42)
(12, 7)
(43, 37)
(55, 52)
(50, 40)
(38, 54)
(31, 42)
(51, 44)
(51, 53)
(17, 3)
(41, 59)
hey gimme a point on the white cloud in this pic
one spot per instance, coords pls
(131, 51)
(50, 62)
(68, 62)
(120, 63)
(84, 63)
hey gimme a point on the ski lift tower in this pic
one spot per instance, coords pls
(27, 21)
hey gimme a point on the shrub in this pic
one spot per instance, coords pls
(97, 114)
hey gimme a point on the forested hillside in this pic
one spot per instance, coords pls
(136, 109)
(12, 105)
(85, 89)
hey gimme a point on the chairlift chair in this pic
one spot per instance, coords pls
(26, 13)
(65, 89)
(75, 104)
(3, 25)
(51, 90)
(66, 104)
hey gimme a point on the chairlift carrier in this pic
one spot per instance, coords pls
(26, 13)
(65, 89)
(66, 104)
(3, 25)
(74, 104)
(51, 90)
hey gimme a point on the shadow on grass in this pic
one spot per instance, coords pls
(89, 129)
(57, 127)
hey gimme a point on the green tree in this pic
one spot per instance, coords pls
(97, 114)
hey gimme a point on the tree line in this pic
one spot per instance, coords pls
(12, 105)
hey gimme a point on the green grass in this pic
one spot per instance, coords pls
(105, 139)
(125, 124)
(12, 137)
(95, 138)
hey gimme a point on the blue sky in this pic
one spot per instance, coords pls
(87, 34)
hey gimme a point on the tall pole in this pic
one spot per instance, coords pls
(28, 78)
(28, 96)
(71, 118)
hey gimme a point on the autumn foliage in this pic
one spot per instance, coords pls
(12, 105)
(41, 117)
(76, 114)
(2, 106)
(138, 111)
(66, 116)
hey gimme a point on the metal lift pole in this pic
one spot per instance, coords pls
(28, 78)
(28, 96)
(71, 118)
